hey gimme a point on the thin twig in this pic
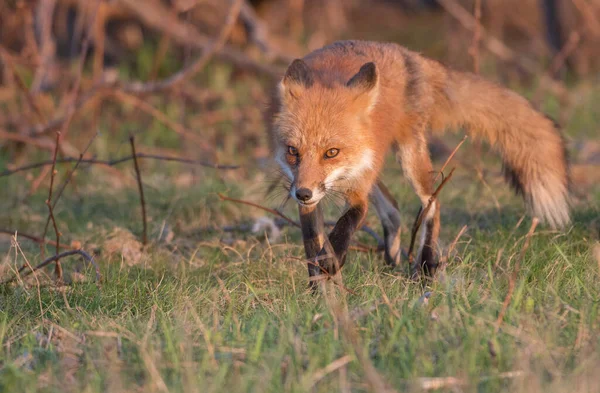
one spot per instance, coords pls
(72, 172)
(423, 213)
(207, 53)
(513, 278)
(156, 16)
(141, 189)
(566, 51)
(6, 58)
(441, 171)
(62, 188)
(500, 49)
(56, 258)
(35, 239)
(117, 161)
(474, 50)
(269, 210)
(57, 268)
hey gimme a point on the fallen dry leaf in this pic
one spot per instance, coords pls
(123, 243)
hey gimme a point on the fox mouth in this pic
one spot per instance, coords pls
(308, 203)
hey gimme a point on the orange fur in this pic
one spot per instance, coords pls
(365, 98)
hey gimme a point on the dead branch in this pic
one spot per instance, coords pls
(56, 258)
(474, 50)
(35, 239)
(45, 11)
(138, 176)
(117, 161)
(7, 59)
(500, 49)
(160, 116)
(269, 210)
(424, 211)
(210, 48)
(156, 16)
(72, 171)
(58, 269)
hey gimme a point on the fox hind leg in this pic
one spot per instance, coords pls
(387, 210)
(418, 169)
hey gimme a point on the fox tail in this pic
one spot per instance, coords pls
(531, 145)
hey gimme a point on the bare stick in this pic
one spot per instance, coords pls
(568, 48)
(33, 238)
(72, 172)
(117, 161)
(56, 258)
(60, 191)
(156, 16)
(58, 268)
(141, 189)
(513, 278)
(269, 210)
(423, 213)
(500, 49)
(207, 53)
(6, 58)
(441, 171)
(474, 50)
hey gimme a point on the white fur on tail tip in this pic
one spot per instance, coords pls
(550, 203)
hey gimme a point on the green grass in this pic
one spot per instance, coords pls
(205, 311)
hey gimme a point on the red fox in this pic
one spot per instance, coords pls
(338, 111)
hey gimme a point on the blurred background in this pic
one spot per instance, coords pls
(188, 80)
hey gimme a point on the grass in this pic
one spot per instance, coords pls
(201, 310)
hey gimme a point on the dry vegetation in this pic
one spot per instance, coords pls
(139, 252)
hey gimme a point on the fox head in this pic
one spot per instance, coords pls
(322, 135)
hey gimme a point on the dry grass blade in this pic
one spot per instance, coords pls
(331, 367)
(456, 383)
(352, 338)
(513, 278)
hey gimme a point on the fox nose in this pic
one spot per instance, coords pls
(303, 194)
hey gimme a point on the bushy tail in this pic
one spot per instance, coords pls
(532, 148)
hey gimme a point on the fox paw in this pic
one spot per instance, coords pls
(424, 266)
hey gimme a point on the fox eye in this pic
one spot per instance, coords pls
(292, 151)
(331, 153)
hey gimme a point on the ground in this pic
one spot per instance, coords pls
(210, 306)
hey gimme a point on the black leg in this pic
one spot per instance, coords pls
(313, 235)
(333, 255)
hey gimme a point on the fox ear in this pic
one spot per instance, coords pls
(297, 75)
(365, 79)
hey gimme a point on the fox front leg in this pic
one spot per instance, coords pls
(313, 235)
(333, 254)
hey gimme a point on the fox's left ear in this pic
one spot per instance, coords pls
(366, 83)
